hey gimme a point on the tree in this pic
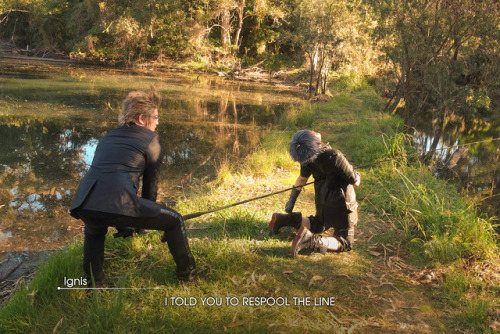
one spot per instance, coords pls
(219, 28)
(445, 54)
(323, 29)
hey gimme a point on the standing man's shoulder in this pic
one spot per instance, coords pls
(135, 131)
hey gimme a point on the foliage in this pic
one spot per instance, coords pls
(444, 55)
(123, 31)
(327, 32)
(207, 31)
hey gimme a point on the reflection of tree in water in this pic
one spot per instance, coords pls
(194, 148)
(42, 163)
(478, 170)
(196, 142)
(39, 157)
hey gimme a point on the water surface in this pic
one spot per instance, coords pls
(52, 116)
(477, 172)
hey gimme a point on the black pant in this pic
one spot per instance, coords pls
(341, 219)
(169, 221)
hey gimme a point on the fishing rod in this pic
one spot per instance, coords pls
(198, 214)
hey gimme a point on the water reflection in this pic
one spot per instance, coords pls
(475, 140)
(51, 118)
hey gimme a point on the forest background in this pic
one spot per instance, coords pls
(436, 56)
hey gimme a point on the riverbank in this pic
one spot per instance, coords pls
(423, 261)
(64, 109)
(289, 78)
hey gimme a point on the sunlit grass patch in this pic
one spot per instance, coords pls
(238, 268)
(298, 118)
(350, 84)
(402, 206)
(370, 99)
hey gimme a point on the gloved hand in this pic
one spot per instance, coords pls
(291, 201)
(124, 232)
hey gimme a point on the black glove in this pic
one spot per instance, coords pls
(124, 232)
(291, 201)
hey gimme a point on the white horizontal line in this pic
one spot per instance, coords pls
(89, 288)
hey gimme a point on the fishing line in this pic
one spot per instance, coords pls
(197, 214)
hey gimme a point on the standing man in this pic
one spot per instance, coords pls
(107, 195)
(335, 198)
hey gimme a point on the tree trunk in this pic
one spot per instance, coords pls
(240, 10)
(437, 136)
(325, 78)
(398, 94)
(313, 59)
(321, 56)
(311, 74)
(225, 22)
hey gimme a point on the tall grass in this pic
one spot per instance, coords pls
(240, 258)
(439, 224)
(446, 230)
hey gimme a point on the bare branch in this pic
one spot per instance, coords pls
(10, 11)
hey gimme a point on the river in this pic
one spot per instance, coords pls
(471, 145)
(52, 116)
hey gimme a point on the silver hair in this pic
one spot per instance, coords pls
(305, 146)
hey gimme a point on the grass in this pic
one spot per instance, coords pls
(409, 223)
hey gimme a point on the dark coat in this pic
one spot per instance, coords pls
(111, 185)
(334, 192)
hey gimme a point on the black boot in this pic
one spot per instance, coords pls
(179, 248)
(306, 240)
(279, 220)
